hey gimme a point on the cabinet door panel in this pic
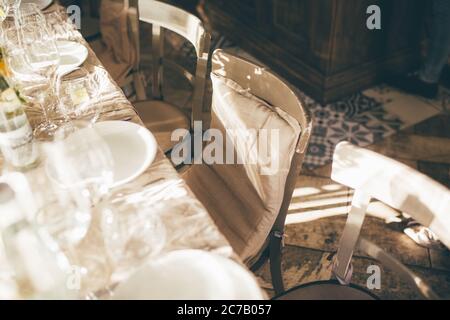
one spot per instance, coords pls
(303, 28)
(354, 44)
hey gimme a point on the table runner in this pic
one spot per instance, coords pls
(159, 188)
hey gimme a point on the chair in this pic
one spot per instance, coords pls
(375, 176)
(161, 117)
(248, 205)
(119, 48)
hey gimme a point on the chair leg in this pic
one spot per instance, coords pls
(276, 245)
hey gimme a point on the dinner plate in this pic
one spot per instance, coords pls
(190, 275)
(41, 4)
(133, 148)
(72, 55)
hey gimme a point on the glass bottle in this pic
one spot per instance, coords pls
(16, 135)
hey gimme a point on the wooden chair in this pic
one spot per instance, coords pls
(375, 176)
(248, 210)
(161, 117)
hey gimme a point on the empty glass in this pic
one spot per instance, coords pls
(13, 6)
(85, 159)
(78, 173)
(26, 12)
(41, 55)
(80, 92)
(131, 234)
(65, 211)
(4, 9)
(19, 71)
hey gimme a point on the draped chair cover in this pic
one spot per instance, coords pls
(117, 52)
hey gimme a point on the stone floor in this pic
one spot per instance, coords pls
(317, 217)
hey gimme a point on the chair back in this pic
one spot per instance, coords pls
(375, 176)
(164, 16)
(262, 83)
(274, 91)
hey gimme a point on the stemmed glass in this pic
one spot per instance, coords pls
(16, 66)
(13, 6)
(33, 58)
(41, 54)
(79, 173)
(81, 93)
(78, 167)
(4, 9)
(132, 234)
(87, 159)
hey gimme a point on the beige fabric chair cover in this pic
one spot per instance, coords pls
(245, 199)
(117, 51)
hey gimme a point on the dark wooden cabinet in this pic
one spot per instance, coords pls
(324, 46)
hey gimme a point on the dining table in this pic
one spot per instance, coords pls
(159, 189)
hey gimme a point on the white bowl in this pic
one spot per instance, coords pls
(133, 148)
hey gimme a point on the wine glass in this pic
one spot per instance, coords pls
(41, 54)
(81, 91)
(20, 74)
(86, 160)
(16, 66)
(78, 170)
(4, 9)
(80, 167)
(65, 213)
(13, 6)
(131, 234)
(23, 12)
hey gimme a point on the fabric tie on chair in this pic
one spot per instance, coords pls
(117, 52)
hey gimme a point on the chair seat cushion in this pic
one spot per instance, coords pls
(162, 119)
(224, 206)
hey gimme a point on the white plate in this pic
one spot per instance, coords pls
(72, 54)
(41, 4)
(190, 275)
(132, 146)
